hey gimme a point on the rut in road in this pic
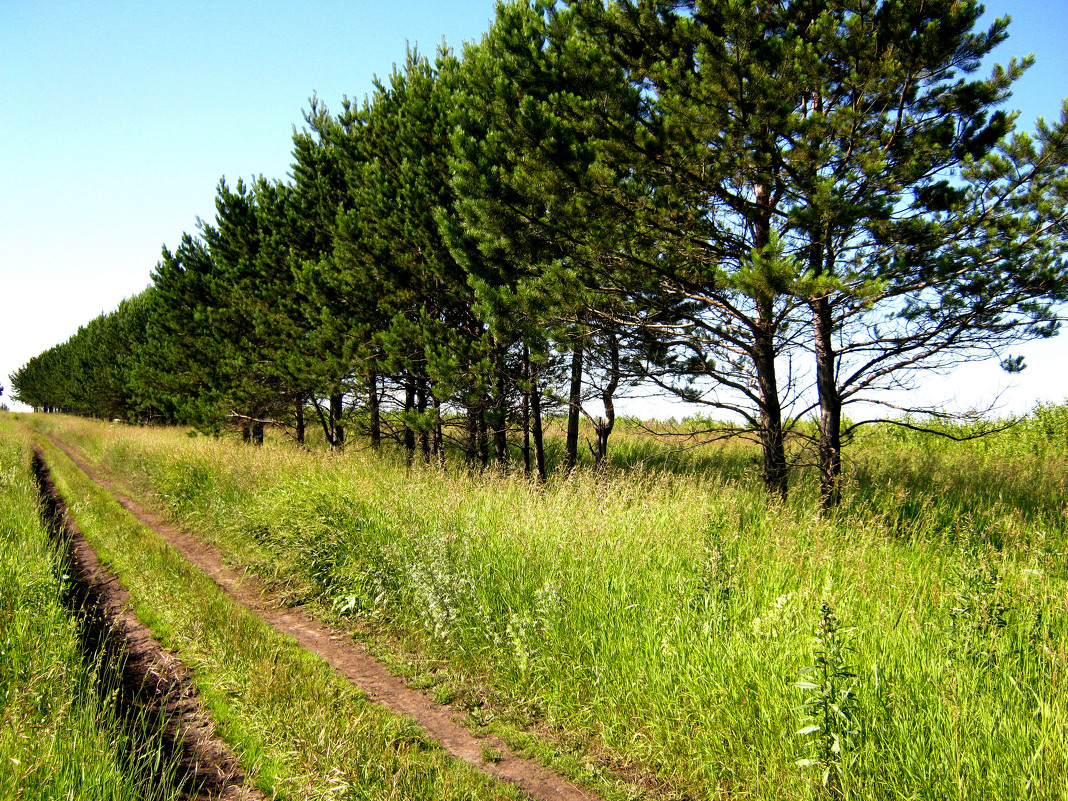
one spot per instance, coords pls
(354, 663)
(154, 684)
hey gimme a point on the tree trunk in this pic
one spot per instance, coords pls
(374, 407)
(771, 436)
(536, 429)
(337, 430)
(574, 402)
(420, 406)
(257, 433)
(471, 449)
(324, 421)
(830, 433)
(821, 262)
(526, 411)
(409, 407)
(438, 446)
(483, 436)
(830, 448)
(500, 418)
(603, 428)
(298, 413)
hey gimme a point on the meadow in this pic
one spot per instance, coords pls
(660, 627)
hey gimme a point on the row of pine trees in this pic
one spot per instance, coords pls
(774, 209)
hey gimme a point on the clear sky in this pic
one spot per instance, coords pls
(119, 117)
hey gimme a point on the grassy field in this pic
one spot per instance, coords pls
(300, 730)
(60, 736)
(669, 620)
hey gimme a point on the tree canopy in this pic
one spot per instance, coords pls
(777, 210)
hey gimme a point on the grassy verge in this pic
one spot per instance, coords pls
(299, 729)
(912, 646)
(60, 736)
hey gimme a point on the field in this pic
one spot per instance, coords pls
(664, 630)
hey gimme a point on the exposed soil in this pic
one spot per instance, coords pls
(356, 664)
(153, 683)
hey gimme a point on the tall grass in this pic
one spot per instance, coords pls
(665, 618)
(299, 729)
(60, 734)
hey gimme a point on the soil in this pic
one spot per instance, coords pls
(351, 660)
(153, 683)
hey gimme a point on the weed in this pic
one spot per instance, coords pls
(445, 694)
(716, 583)
(830, 708)
(425, 681)
(980, 607)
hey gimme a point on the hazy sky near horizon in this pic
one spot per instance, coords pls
(119, 117)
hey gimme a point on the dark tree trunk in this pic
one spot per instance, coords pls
(603, 427)
(374, 407)
(483, 437)
(771, 434)
(830, 432)
(409, 407)
(821, 262)
(471, 449)
(420, 406)
(830, 448)
(298, 414)
(337, 430)
(536, 429)
(257, 433)
(526, 411)
(500, 418)
(574, 403)
(324, 421)
(438, 446)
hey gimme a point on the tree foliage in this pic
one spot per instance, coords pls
(777, 210)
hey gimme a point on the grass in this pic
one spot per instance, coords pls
(661, 620)
(60, 734)
(300, 730)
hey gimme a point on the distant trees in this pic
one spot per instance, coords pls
(776, 210)
(90, 373)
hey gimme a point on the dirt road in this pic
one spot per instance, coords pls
(355, 663)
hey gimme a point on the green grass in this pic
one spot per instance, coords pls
(60, 736)
(300, 729)
(662, 619)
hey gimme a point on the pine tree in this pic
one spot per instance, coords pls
(827, 158)
(337, 307)
(924, 232)
(435, 345)
(526, 158)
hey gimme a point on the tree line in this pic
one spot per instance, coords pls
(773, 209)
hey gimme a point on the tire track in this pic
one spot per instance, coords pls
(354, 662)
(154, 683)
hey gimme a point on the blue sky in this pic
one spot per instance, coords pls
(117, 119)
